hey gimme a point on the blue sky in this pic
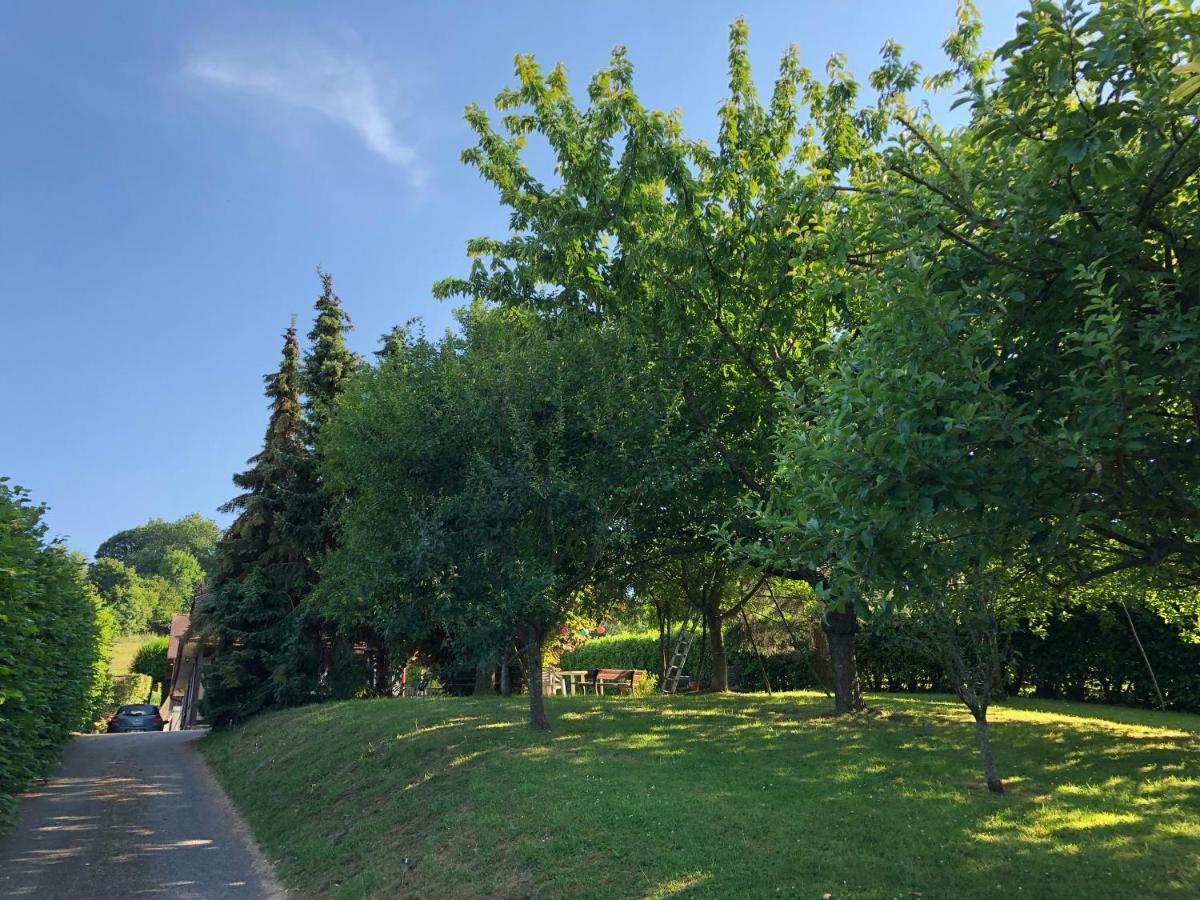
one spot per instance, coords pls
(172, 174)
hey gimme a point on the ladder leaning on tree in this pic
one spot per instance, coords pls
(683, 646)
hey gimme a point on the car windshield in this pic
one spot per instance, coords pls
(140, 710)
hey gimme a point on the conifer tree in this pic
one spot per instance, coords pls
(329, 362)
(263, 569)
(328, 366)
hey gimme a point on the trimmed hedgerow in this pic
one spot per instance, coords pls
(633, 650)
(54, 643)
(1089, 655)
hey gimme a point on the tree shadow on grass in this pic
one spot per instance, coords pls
(740, 795)
(1089, 802)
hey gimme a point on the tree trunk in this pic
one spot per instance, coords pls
(383, 672)
(533, 662)
(483, 679)
(840, 627)
(985, 751)
(822, 665)
(505, 679)
(716, 645)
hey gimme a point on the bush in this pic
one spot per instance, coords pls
(151, 659)
(788, 671)
(54, 645)
(646, 685)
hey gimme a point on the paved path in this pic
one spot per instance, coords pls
(131, 815)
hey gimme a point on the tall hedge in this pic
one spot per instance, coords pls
(632, 650)
(1087, 655)
(55, 640)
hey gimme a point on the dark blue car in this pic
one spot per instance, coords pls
(136, 717)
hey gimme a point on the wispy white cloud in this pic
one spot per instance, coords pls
(308, 76)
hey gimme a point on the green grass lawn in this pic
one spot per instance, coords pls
(124, 650)
(738, 795)
(136, 687)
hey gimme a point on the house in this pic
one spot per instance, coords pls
(189, 651)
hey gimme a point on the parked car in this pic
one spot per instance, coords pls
(136, 717)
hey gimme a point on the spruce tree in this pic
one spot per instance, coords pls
(263, 568)
(328, 365)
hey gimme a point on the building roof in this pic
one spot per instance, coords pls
(179, 626)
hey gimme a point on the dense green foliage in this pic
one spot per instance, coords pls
(146, 547)
(727, 262)
(1031, 400)
(146, 575)
(151, 659)
(124, 592)
(55, 638)
(1092, 654)
(506, 485)
(1075, 654)
(942, 380)
(721, 796)
(1015, 411)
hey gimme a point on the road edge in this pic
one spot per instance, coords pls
(262, 866)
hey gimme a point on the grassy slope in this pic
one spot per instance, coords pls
(735, 795)
(124, 650)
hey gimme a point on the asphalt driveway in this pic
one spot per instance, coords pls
(132, 815)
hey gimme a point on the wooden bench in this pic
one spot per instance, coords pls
(619, 680)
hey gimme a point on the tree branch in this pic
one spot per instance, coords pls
(735, 466)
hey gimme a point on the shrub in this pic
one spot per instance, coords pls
(151, 659)
(1091, 655)
(647, 684)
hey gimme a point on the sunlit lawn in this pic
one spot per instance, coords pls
(725, 796)
(124, 650)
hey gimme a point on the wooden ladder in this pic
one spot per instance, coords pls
(683, 646)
